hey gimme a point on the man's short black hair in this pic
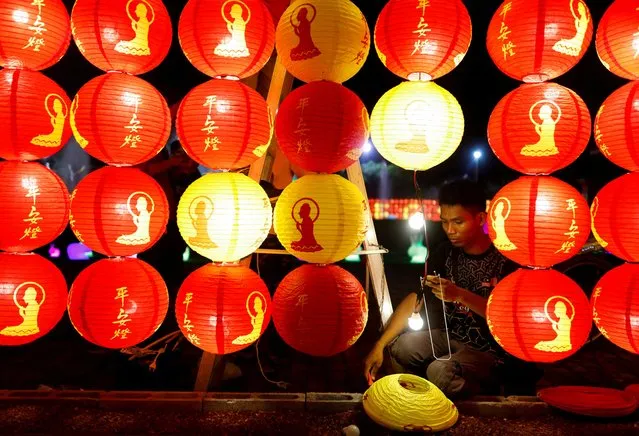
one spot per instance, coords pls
(465, 193)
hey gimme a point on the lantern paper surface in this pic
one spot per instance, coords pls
(120, 119)
(223, 309)
(33, 297)
(539, 40)
(35, 204)
(227, 37)
(538, 221)
(422, 40)
(322, 127)
(34, 111)
(320, 310)
(224, 124)
(539, 128)
(117, 303)
(224, 216)
(118, 211)
(323, 40)
(539, 315)
(417, 125)
(132, 36)
(616, 40)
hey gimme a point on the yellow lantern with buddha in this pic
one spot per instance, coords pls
(417, 125)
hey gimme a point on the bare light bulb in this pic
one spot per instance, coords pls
(415, 322)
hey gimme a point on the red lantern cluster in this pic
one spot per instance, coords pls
(616, 39)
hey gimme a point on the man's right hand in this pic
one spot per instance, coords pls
(373, 362)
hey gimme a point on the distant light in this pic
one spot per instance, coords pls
(79, 251)
(416, 221)
(367, 146)
(477, 154)
(415, 322)
(54, 252)
(186, 256)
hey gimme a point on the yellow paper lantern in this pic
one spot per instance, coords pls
(417, 125)
(406, 402)
(224, 216)
(321, 218)
(323, 40)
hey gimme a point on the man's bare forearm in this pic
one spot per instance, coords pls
(398, 321)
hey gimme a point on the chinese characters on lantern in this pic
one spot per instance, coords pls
(38, 28)
(364, 41)
(595, 314)
(32, 228)
(573, 230)
(302, 130)
(121, 330)
(211, 141)
(598, 135)
(507, 46)
(77, 233)
(421, 45)
(187, 324)
(133, 137)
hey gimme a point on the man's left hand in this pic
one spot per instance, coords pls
(443, 289)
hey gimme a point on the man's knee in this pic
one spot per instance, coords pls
(446, 375)
(406, 350)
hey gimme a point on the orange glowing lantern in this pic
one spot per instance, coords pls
(34, 110)
(422, 40)
(539, 128)
(224, 124)
(616, 40)
(539, 40)
(118, 211)
(320, 310)
(117, 303)
(35, 206)
(539, 315)
(538, 221)
(120, 119)
(132, 36)
(223, 309)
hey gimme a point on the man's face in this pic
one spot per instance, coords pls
(462, 226)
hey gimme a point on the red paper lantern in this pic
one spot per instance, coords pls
(615, 306)
(539, 40)
(227, 37)
(132, 36)
(539, 128)
(118, 211)
(616, 39)
(320, 310)
(35, 206)
(538, 221)
(422, 40)
(539, 315)
(120, 119)
(224, 124)
(34, 110)
(277, 8)
(322, 127)
(223, 309)
(117, 303)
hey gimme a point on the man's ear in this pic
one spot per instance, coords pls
(483, 216)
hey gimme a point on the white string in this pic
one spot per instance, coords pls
(430, 333)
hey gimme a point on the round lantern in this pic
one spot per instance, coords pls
(118, 303)
(223, 309)
(33, 297)
(224, 216)
(35, 205)
(35, 34)
(539, 40)
(118, 211)
(422, 40)
(120, 119)
(227, 37)
(539, 315)
(224, 124)
(34, 110)
(538, 221)
(320, 310)
(539, 128)
(132, 36)
(322, 40)
(321, 218)
(322, 127)
(277, 8)
(616, 40)
(417, 125)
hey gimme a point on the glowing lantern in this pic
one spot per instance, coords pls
(118, 211)
(277, 8)
(322, 40)
(417, 125)
(120, 119)
(34, 110)
(321, 218)
(320, 310)
(117, 303)
(223, 309)
(224, 124)
(539, 315)
(539, 128)
(224, 216)
(422, 40)
(538, 221)
(538, 40)
(35, 205)
(322, 127)
(33, 297)
(616, 40)
(227, 37)
(132, 36)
